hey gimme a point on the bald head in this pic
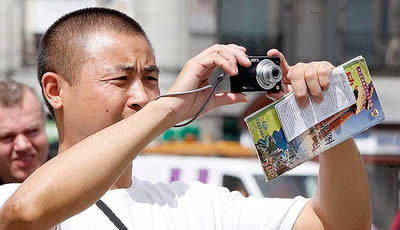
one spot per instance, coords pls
(63, 47)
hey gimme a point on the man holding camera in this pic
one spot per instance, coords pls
(99, 77)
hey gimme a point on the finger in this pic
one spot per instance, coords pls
(288, 88)
(221, 99)
(240, 54)
(324, 71)
(312, 81)
(232, 53)
(296, 76)
(228, 54)
(237, 47)
(218, 47)
(216, 60)
(275, 96)
(283, 63)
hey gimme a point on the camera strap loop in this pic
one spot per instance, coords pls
(213, 86)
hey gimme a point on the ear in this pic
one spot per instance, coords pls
(52, 89)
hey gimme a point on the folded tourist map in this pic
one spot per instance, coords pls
(286, 135)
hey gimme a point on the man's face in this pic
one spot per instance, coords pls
(118, 77)
(23, 141)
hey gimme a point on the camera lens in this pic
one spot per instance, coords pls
(268, 74)
(275, 73)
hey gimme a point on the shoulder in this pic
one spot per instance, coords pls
(6, 191)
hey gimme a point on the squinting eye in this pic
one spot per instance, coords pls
(32, 131)
(123, 78)
(6, 139)
(151, 78)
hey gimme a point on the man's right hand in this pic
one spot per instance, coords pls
(195, 74)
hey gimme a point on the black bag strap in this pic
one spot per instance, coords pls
(111, 215)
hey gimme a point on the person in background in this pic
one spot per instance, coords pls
(23, 141)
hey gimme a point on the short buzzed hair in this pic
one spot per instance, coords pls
(12, 93)
(61, 47)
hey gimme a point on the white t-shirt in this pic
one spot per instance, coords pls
(182, 206)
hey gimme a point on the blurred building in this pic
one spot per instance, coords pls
(304, 30)
(11, 37)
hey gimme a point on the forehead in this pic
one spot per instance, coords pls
(23, 115)
(111, 48)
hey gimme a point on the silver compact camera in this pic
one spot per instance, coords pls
(264, 74)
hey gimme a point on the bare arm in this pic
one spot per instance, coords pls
(77, 178)
(342, 200)
(73, 181)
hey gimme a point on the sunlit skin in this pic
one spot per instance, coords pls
(23, 141)
(104, 124)
(119, 76)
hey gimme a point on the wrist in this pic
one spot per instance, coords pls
(164, 107)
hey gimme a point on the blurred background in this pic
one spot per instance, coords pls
(304, 30)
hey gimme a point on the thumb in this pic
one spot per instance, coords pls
(221, 99)
(275, 96)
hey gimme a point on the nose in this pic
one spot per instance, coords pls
(22, 143)
(138, 96)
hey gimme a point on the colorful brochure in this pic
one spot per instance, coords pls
(286, 135)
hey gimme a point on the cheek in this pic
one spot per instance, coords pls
(41, 145)
(103, 112)
(114, 104)
(153, 92)
(107, 99)
(5, 153)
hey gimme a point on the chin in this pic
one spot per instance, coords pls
(22, 175)
(20, 179)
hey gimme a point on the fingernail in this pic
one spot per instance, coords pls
(318, 100)
(303, 104)
(271, 98)
(237, 70)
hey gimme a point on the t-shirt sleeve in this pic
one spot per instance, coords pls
(239, 212)
(6, 192)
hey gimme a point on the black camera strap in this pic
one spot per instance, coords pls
(111, 215)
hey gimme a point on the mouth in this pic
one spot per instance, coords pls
(24, 160)
(26, 157)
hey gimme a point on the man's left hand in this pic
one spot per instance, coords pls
(303, 79)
